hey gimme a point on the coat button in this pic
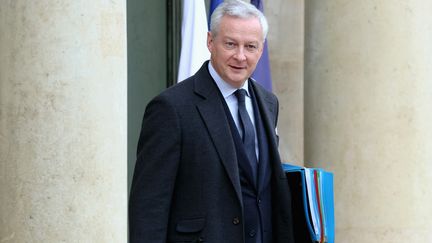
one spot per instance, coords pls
(236, 221)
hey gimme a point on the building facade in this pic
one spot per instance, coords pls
(353, 79)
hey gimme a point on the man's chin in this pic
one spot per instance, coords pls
(238, 78)
(237, 83)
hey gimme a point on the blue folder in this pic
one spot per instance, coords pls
(313, 207)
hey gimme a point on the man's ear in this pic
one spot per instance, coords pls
(262, 46)
(209, 41)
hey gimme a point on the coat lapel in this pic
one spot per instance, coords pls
(213, 115)
(268, 110)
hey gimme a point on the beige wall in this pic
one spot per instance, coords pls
(63, 121)
(368, 113)
(367, 108)
(285, 40)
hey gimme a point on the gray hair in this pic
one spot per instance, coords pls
(239, 9)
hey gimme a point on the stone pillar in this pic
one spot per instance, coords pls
(286, 45)
(368, 113)
(63, 121)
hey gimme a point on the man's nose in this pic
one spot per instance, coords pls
(240, 54)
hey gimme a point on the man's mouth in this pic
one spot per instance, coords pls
(237, 67)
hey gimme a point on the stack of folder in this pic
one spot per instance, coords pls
(313, 204)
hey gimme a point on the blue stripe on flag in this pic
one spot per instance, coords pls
(262, 73)
(213, 6)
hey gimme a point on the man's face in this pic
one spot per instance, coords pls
(236, 48)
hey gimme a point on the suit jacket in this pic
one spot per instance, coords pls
(186, 185)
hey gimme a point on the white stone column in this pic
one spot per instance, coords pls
(368, 102)
(63, 80)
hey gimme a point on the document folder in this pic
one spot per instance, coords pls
(312, 204)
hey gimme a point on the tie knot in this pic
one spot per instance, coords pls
(240, 94)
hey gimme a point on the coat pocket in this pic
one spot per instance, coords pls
(190, 225)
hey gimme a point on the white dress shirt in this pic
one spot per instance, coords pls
(227, 92)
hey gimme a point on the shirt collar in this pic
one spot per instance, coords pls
(225, 88)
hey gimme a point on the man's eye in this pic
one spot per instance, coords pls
(251, 47)
(229, 45)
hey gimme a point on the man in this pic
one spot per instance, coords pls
(208, 169)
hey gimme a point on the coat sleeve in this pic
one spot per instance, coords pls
(158, 157)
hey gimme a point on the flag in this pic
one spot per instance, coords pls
(262, 71)
(194, 38)
(213, 6)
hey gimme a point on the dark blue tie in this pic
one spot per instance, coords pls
(247, 127)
